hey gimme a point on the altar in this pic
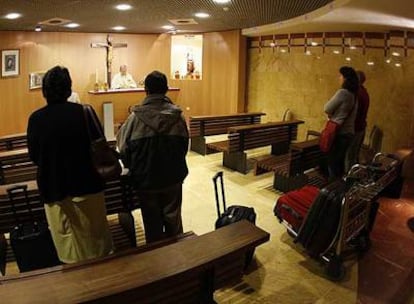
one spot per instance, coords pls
(122, 100)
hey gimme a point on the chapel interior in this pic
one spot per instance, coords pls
(266, 56)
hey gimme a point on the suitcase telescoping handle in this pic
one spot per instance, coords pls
(12, 191)
(219, 175)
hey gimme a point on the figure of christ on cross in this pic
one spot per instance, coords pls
(109, 45)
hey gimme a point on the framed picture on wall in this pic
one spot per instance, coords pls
(35, 80)
(10, 63)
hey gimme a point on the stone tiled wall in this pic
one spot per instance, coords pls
(304, 83)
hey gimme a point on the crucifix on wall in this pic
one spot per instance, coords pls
(109, 45)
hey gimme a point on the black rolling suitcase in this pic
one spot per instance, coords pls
(31, 242)
(233, 213)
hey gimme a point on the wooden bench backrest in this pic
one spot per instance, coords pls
(259, 135)
(183, 272)
(16, 166)
(218, 124)
(116, 201)
(13, 141)
(304, 155)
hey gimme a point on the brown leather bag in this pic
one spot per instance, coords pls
(104, 158)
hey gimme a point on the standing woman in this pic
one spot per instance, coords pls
(341, 109)
(70, 188)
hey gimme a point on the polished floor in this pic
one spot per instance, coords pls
(281, 271)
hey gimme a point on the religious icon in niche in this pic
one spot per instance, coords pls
(186, 56)
(10, 63)
(35, 80)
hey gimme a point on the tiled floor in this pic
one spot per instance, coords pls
(386, 272)
(281, 271)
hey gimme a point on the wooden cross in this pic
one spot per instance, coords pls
(109, 45)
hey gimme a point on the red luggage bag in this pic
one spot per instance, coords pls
(294, 205)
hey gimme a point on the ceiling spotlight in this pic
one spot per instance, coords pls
(202, 15)
(396, 54)
(336, 52)
(119, 28)
(388, 60)
(283, 51)
(370, 63)
(123, 7)
(12, 16)
(348, 58)
(38, 28)
(72, 25)
(398, 65)
(313, 43)
(308, 53)
(168, 27)
(222, 1)
(272, 44)
(352, 47)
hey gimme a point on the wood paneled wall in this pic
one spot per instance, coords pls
(221, 90)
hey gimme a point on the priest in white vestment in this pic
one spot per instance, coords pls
(123, 80)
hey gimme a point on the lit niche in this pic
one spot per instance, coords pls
(186, 56)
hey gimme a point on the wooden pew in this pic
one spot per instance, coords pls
(303, 156)
(202, 126)
(119, 200)
(276, 134)
(13, 141)
(16, 166)
(183, 272)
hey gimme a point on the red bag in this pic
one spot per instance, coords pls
(327, 136)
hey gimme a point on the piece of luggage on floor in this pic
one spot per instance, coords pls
(294, 205)
(322, 219)
(233, 213)
(31, 240)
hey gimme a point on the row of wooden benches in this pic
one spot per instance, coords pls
(288, 159)
(244, 131)
(120, 200)
(206, 263)
(187, 271)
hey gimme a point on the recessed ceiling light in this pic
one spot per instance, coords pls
(123, 7)
(202, 15)
(370, 62)
(308, 53)
(283, 51)
(348, 58)
(398, 65)
(272, 44)
(72, 25)
(388, 61)
(222, 1)
(118, 28)
(336, 52)
(38, 28)
(352, 47)
(168, 27)
(396, 54)
(313, 43)
(12, 16)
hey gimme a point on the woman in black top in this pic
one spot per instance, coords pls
(70, 187)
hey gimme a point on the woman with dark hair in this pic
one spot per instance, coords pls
(70, 187)
(341, 109)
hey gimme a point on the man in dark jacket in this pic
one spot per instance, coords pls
(153, 143)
